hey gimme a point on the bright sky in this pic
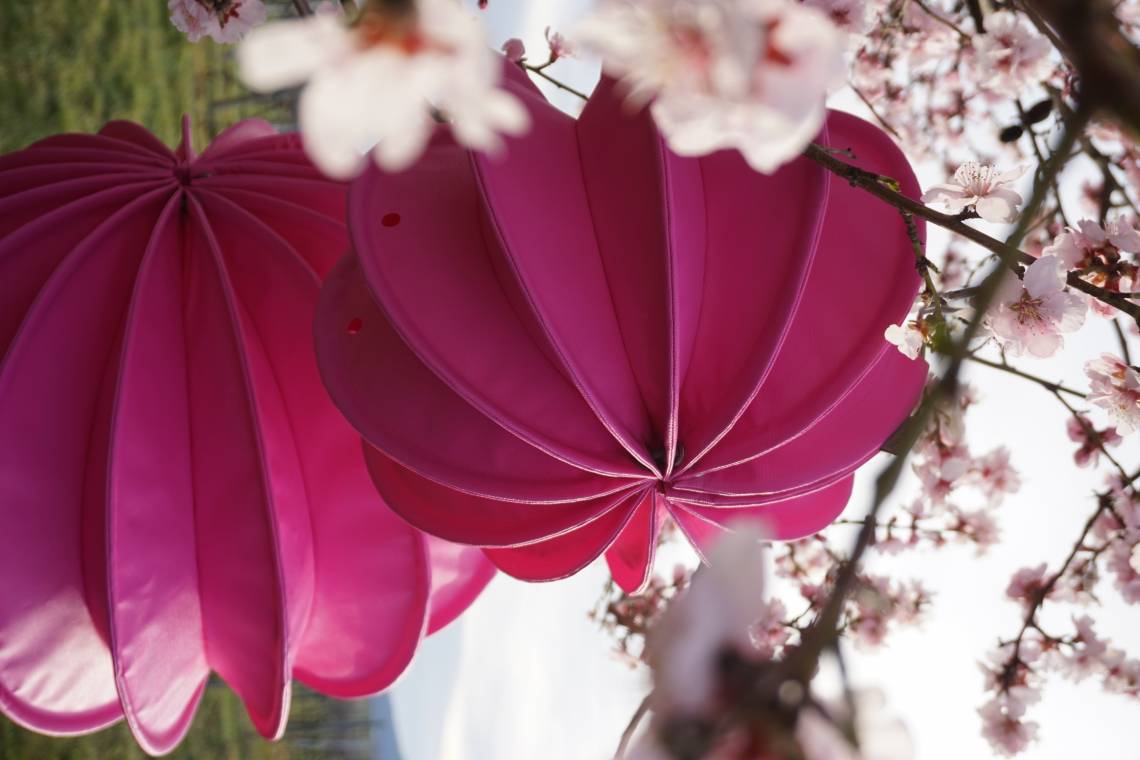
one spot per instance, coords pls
(525, 674)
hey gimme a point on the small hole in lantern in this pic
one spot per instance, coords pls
(390, 220)
(354, 326)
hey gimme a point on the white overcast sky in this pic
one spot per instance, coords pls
(524, 674)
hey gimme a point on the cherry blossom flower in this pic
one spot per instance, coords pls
(928, 38)
(1105, 131)
(849, 15)
(953, 270)
(1128, 12)
(1100, 251)
(1027, 585)
(514, 50)
(869, 75)
(1078, 582)
(769, 634)
(1008, 674)
(1127, 576)
(995, 475)
(1115, 387)
(880, 604)
(374, 85)
(224, 21)
(1004, 728)
(978, 527)
(1031, 315)
(1011, 54)
(1081, 247)
(746, 74)
(1086, 653)
(940, 476)
(1090, 439)
(981, 188)
(1123, 675)
(907, 337)
(559, 47)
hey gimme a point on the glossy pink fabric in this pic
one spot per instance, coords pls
(552, 350)
(177, 493)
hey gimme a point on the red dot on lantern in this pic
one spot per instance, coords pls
(354, 326)
(390, 220)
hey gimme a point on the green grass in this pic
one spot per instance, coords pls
(72, 65)
(320, 728)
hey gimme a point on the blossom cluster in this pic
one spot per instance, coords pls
(224, 21)
(1016, 671)
(879, 604)
(721, 688)
(746, 74)
(628, 617)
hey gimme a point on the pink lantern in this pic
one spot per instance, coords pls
(552, 350)
(177, 493)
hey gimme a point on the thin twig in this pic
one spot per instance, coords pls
(1011, 255)
(1008, 368)
(1039, 599)
(875, 112)
(817, 638)
(540, 70)
(1123, 342)
(631, 729)
(944, 21)
(1090, 431)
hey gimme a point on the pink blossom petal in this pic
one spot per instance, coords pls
(999, 206)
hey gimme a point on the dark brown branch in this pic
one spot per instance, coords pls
(1035, 605)
(881, 187)
(1091, 39)
(803, 662)
(1124, 352)
(1010, 369)
(541, 71)
(976, 14)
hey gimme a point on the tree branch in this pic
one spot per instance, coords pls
(881, 187)
(1091, 39)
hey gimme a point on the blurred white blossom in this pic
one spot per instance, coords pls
(746, 74)
(1011, 54)
(1115, 387)
(906, 337)
(373, 86)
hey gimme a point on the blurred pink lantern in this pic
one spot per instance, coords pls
(552, 350)
(177, 493)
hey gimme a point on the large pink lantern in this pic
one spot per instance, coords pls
(177, 493)
(552, 350)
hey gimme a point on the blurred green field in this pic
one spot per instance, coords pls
(319, 728)
(71, 65)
